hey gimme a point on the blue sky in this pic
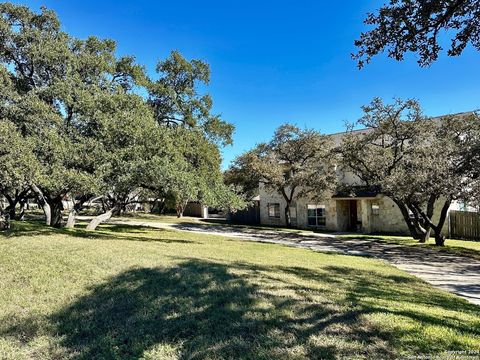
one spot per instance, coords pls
(274, 61)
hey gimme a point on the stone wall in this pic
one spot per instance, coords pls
(298, 211)
(388, 220)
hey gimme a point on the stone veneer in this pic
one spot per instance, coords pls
(388, 220)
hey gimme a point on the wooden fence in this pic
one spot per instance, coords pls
(465, 225)
(248, 216)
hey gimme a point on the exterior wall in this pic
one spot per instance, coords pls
(337, 212)
(342, 214)
(330, 213)
(388, 220)
(196, 210)
(267, 198)
(298, 211)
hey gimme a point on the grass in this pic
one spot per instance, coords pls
(130, 292)
(173, 219)
(460, 247)
(168, 219)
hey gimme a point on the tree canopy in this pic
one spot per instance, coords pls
(79, 113)
(419, 27)
(422, 164)
(296, 163)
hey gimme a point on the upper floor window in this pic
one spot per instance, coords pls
(274, 210)
(316, 215)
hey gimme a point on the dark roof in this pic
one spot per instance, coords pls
(433, 118)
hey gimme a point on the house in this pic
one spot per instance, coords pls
(363, 209)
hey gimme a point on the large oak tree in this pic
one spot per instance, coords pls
(86, 113)
(422, 164)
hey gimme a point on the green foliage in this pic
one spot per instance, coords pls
(186, 167)
(296, 163)
(18, 165)
(91, 128)
(422, 164)
(403, 26)
(176, 100)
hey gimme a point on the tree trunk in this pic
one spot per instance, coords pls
(439, 237)
(11, 211)
(422, 225)
(19, 198)
(180, 208)
(288, 220)
(44, 204)
(161, 207)
(425, 236)
(430, 210)
(12, 203)
(71, 218)
(4, 221)
(119, 207)
(21, 215)
(288, 200)
(56, 206)
(154, 206)
(100, 219)
(77, 206)
(406, 216)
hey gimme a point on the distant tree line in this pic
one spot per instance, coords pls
(78, 121)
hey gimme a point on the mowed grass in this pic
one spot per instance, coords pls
(147, 217)
(130, 292)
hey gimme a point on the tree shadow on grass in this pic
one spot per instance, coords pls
(104, 232)
(197, 306)
(202, 309)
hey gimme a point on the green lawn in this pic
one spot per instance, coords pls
(168, 219)
(172, 219)
(130, 292)
(461, 247)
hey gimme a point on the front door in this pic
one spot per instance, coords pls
(352, 224)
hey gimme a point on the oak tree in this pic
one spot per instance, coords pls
(296, 163)
(403, 26)
(422, 164)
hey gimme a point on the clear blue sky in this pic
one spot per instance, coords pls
(274, 61)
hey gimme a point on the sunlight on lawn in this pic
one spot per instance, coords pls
(132, 292)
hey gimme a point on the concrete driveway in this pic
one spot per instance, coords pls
(454, 273)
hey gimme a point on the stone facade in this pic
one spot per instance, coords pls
(377, 214)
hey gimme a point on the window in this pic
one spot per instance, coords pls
(375, 209)
(316, 215)
(274, 210)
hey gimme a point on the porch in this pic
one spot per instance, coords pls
(354, 215)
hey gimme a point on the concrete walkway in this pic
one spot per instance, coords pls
(454, 273)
